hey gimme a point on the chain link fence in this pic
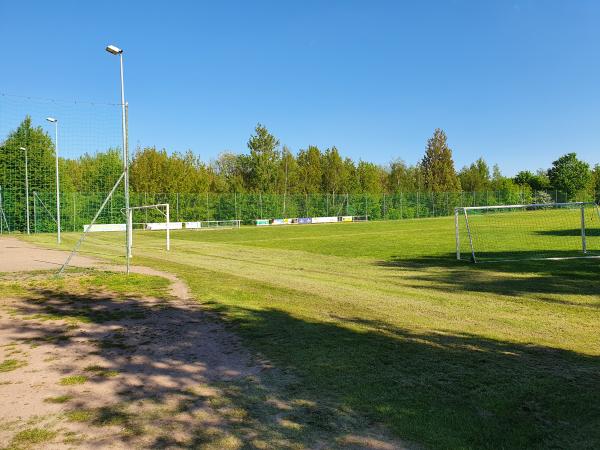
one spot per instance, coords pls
(78, 208)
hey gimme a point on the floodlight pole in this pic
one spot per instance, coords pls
(125, 163)
(117, 51)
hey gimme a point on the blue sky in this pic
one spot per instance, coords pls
(515, 82)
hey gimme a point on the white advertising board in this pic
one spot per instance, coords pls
(102, 227)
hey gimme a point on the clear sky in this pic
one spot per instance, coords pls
(516, 82)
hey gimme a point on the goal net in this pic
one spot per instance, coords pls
(554, 230)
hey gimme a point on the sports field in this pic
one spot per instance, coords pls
(379, 318)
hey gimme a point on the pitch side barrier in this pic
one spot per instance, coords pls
(310, 220)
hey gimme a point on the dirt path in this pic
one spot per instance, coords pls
(93, 366)
(81, 367)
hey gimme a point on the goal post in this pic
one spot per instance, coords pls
(164, 209)
(541, 230)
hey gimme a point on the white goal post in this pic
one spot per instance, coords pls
(162, 208)
(540, 230)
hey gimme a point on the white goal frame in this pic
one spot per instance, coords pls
(157, 207)
(466, 209)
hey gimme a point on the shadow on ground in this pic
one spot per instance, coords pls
(589, 232)
(443, 390)
(174, 378)
(522, 273)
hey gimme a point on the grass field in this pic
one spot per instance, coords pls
(380, 319)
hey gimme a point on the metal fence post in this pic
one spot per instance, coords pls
(456, 234)
(583, 240)
(34, 213)
(74, 216)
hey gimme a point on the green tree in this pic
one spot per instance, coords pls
(501, 183)
(41, 169)
(264, 158)
(228, 168)
(569, 174)
(310, 170)
(148, 170)
(333, 171)
(595, 183)
(288, 177)
(350, 183)
(437, 165)
(370, 177)
(99, 172)
(475, 177)
(536, 181)
(401, 178)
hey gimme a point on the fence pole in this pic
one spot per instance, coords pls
(347, 204)
(74, 211)
(583, 241)
(235, 214)
(456, 234)
(34, 213)
(306, 204)
(207, 208)
(401, 216)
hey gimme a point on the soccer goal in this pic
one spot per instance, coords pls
(151, 218)
(512, 232)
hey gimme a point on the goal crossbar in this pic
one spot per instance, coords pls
(530, 205)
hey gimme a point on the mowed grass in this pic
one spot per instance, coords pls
(379, 318)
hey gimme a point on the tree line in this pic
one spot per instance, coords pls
(271, 168)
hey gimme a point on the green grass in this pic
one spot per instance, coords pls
(59, 399)
(379, 318)
(101, 371)
(30, 438)
(72, 380)
(9, 365)
(128, 285)
(114, 415)
(80, 415)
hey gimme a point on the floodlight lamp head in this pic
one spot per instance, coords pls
(114, 50)
(23, 148)
(51, 119)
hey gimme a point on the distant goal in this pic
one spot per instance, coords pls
(537, 231)
(151, 218)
